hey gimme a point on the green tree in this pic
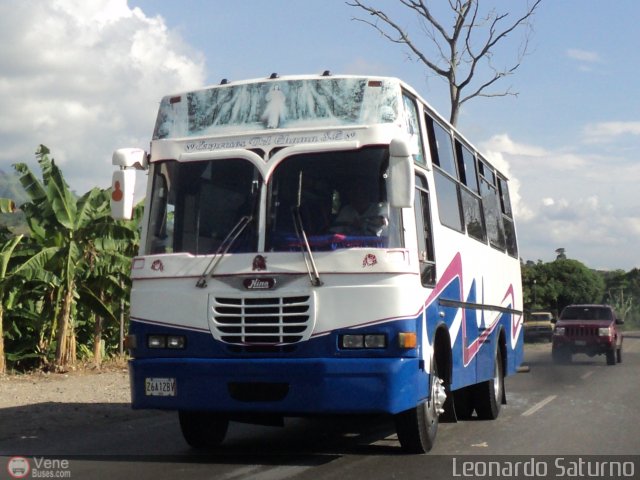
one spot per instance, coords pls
(622, 291)
(556, 284)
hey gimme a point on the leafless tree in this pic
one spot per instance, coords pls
(457, 53)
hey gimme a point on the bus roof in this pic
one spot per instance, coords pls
(292, 102)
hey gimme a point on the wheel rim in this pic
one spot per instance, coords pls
(497, 383)
(437, 398)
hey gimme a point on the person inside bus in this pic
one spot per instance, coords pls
(361, 215)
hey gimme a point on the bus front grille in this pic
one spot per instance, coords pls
(262, 321)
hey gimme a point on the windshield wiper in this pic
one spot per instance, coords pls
(314, 276)
(224, 247)
(307, 254)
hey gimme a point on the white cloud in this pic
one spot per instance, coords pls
(583, 55)
(85, 78)
(503, 143)
(608, 131)
(572, 197)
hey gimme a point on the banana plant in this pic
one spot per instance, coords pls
(6, 252)
(65, 228)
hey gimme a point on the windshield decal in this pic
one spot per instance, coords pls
(312, 103)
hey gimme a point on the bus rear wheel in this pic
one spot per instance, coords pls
(417, 427)
(488, 395)
(203, 429)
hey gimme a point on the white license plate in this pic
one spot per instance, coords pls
(160, 387)
(580, 343)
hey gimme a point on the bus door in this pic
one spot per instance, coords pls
(424, 231)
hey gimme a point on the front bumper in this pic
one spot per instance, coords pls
(289, 387)
(590, 346)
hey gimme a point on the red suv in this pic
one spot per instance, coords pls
(590, 329)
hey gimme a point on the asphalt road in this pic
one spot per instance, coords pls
(556, 419)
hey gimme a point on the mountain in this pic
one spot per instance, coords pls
(10, 188)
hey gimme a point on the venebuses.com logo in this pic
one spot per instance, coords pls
(38, 467)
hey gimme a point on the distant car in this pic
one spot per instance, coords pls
(538, 325)
(590, 329)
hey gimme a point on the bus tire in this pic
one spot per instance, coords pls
(488, 394)
(463, 399)
(203, 429)
(417, 427)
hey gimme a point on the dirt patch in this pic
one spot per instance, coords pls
(36, 403)
(84, 385)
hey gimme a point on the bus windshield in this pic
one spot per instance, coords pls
(195, 205)
(341, 198)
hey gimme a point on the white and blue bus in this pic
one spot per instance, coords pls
(319, 245)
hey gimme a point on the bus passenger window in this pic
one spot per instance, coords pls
(447, 192)
(507, 217)
(491, 207)
(441, 147)
(473, 218)
(467, 167)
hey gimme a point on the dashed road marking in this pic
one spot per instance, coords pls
(539, 405)
(586, 375)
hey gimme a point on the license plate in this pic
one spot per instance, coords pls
(581, 343)
(160, 387)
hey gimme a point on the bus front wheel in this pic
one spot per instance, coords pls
(417, 427)
(203, 429)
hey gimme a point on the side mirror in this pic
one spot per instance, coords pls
(124, 180)
(122, 190)
(130, 158)
(619, 321)
(401, 182)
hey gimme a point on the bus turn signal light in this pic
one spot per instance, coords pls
(408, 339)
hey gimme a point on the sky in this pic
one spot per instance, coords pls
(86, 77)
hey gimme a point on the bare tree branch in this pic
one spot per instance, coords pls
(457, 61)
(403, 37)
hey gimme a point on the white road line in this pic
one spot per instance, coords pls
(539, 405)
(586, 375)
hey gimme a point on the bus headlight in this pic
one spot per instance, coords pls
(176, 341)
(371, 340)
(157, 341)
(375, 341)
(166, 341)
(352, 341)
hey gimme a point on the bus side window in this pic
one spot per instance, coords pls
(441, 147)
(491, 206)
(413, 127)
(424, 231)
(469, 193)
(507, 217)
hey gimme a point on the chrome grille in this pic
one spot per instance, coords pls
(262, 320)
